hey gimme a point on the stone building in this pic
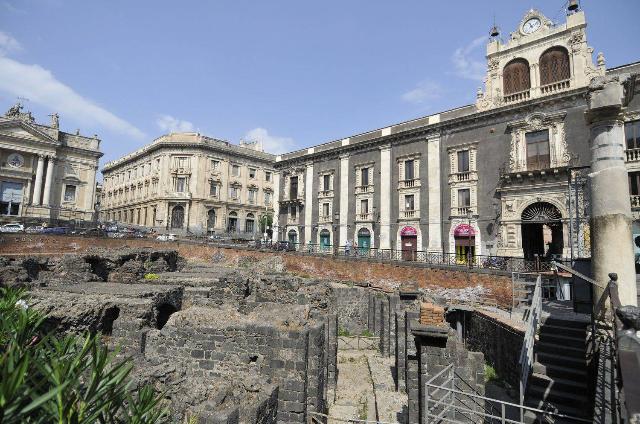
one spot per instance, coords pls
(46, 175)
(503, 176)
(187, 182)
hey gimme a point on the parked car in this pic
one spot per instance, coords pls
(93, 232)
(13, 227)
(34, 229)
(166, 237)
(55, 230)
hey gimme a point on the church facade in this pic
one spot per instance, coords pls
(46, 175)
(505, 176)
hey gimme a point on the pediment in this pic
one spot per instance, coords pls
(24, 130)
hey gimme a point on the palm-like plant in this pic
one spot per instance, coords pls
(45, 378)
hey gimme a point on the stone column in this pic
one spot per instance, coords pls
(48, 182)
(344, 199)
(611, 239)
(434, 184)
(385, 197)
(308, 203)
(37, 189)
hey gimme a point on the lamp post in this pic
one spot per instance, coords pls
(469, 217)
(336, 220)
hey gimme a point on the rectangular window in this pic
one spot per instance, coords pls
(235, 170)
(215, 164)
(267, 176)
(408, 169)
(408, 202)
(325, 209)
(634, 183)
(70, 193)
(252, 196)
(326, 182)
(234, 193)
(463, 161)
(267, 198)
(293, 212)
(364, 206)
(364, 177)
(293, 188)
(538, 150)
(252, 173)
(181, 184)
(632, 134)
(464, 198)
(248, 226)
(213, 189)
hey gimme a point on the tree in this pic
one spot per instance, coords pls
(266, 222)
(45, 378)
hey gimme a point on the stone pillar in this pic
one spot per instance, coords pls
(385, 197)
(308, 203)
(37, 189)
(276, 206)
(611, 239)
(344, 199)
(48, 182)
(434, 199)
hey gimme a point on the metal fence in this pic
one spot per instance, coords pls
(499, 263)
(526, 353)
(358, 343)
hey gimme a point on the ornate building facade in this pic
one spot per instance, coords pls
(187, 182)
(46, 175)
(504, 176)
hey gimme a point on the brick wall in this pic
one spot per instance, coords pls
(431, 314)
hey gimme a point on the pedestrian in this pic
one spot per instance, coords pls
(347, 248)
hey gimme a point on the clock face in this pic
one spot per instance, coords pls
(15, 160)
(531, 26)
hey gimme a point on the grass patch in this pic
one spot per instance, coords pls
(151, 276)
(490, 374)
(367, 333)
(343, 332)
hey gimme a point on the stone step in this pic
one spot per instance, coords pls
(560, 358)
(555, 396)
(532, 418)
(562, 340)
(559, 371)
(554, 348)
(564, 323)
(563, 331)
(557, 383)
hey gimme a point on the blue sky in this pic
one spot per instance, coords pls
(291, 73)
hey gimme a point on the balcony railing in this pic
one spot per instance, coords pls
(364, 216)
(635, 201)
(462, 176)
(324, 218)
(410, 214)
(293, 220)
(409, 183)
(325, 193)
(633, 155)
(461, 210)
(517, 97)
(364, 189)
(554, 87)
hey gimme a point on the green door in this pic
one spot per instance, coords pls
(364, 240)
(325, 240)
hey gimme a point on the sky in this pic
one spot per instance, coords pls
(289, 73)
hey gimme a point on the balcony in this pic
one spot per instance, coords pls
(293, 220)
(181, 170)
(517, 97)
(633, 155)
(323, 219)
(325, 193)
(364, 217)
(462, 211)
(364, 189)
(409, 183)
(554, 87)
(410, 214)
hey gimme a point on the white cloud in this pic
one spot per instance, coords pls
(8, 44)
(424, 91)
(168, 123)
(40, 86)
(271, 143)
(469, 62)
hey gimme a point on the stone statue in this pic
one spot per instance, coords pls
(14, 111)
(55, 120)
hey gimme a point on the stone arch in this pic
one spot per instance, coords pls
(516, 76)
(542, 230)
(249, 223)
(399, 236)
(477, 237)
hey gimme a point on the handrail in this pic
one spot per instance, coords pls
(578, 274)
(526, 353)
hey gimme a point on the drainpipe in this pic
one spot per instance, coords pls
(612, 246)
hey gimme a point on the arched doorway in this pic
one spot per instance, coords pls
(232, 223)
(409, 243)
(292, 236)
(364, 240)
(465, 241)
(211, 220)
(325, 240)
(177, 217)
(541, 231)
(249, 224)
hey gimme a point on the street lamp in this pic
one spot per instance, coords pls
(336, 220)
(469, 218)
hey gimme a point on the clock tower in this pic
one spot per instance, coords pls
(539, 59)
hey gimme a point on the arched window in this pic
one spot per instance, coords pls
(515, 77)
(249, 226)
(554, 66)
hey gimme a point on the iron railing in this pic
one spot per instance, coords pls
(498, 263)
(526, 353)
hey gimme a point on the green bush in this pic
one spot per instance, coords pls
(343, 332)
(45, 378)
(367, 333)
(151, 276)
(490, 373)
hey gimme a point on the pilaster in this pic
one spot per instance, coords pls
(344, 199)
(385, 197)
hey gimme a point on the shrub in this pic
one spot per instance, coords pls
(70, 379)
(367, 333)
(151, 276)
(490, 373)
(343, 332)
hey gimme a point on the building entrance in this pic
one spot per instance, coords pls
(542, 231)
(177, 217)
(364, 240)
(325, 239)
(409, 243)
